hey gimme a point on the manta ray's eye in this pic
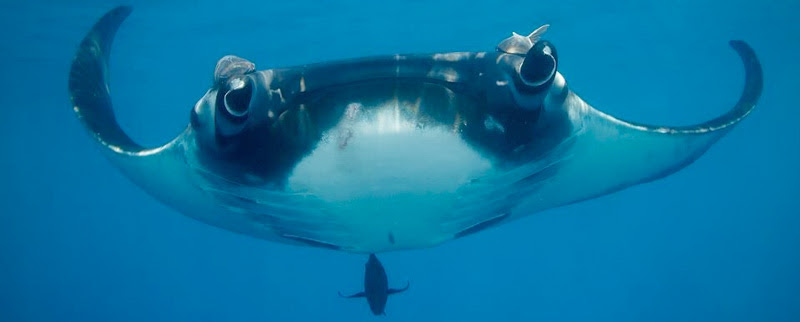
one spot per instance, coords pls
(233, 105)
(237, 98)
(540, 64)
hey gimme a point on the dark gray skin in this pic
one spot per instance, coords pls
(376, 286)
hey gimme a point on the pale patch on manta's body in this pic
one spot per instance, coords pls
(383, 154)
(390, 152)
(384, 151)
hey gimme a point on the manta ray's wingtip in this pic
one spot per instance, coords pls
(748, 54)
(88, 83)
(743, 49)
(750, 94)
(754, 76)
(117, 15)
(739, 44)
(123, 9)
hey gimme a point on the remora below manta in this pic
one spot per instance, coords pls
(394, 152)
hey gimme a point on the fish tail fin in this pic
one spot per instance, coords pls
(400, 290)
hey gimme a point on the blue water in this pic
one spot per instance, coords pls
(718, 241)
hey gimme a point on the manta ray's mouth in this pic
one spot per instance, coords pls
(421, 102)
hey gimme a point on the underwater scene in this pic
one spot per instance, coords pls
(399, 160)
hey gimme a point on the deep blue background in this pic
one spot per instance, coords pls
(718, 241)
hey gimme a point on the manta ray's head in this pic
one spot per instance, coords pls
(255, 126)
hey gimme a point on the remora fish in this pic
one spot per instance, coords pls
(376, 286)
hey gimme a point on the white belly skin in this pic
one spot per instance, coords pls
(382, 175)
(389, 188)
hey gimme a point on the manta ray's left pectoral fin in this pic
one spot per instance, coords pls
(399, 290)
(89, 88)
(662, 150)
(157, 169)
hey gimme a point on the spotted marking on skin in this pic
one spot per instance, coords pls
(492, 125)
(451, 57)
(345, 138)
(457, 123)
(447, 73)
(346, 129)
(280, 94)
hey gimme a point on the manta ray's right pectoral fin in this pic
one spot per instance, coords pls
(609, 154)
(359, 294)
(395, 290)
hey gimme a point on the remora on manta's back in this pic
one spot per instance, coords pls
(391, 152)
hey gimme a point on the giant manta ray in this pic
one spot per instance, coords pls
(390, 152)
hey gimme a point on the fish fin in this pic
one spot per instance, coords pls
(394, 290)
(537, 34)
(359, 294)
